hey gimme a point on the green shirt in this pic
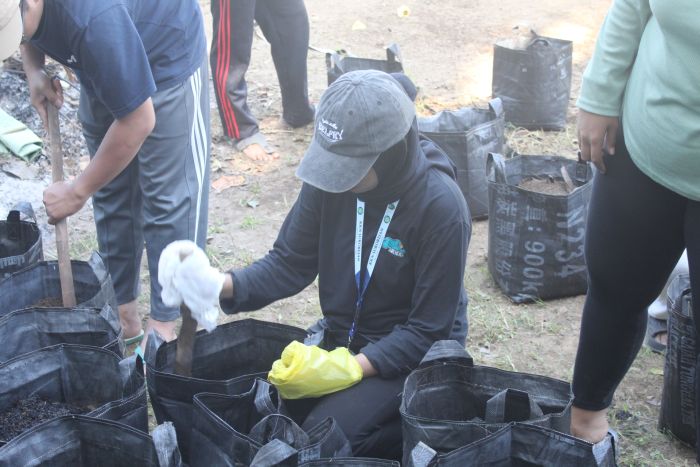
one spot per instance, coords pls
(647, 65)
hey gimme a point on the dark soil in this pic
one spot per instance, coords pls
(547, 186)
(49, 302)
(26, 413)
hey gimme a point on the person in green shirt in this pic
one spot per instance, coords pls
(639, 124)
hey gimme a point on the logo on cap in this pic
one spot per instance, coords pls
(330, 130)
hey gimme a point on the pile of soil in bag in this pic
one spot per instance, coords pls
(547, 186)
(48, 302)
(31, 411)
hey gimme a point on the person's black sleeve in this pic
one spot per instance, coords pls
(440, 264)
(289, 267)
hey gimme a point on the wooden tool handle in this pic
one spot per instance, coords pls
(185, 343)
(64, 266)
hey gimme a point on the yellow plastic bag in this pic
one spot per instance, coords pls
(309, 371)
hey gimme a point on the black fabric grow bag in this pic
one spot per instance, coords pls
(521, 445)
(32, 285)
(24, 331)
(467, 136)
(680, 392)
(225, 361)
(81, 441)
(534, 83)
(448, 402)
(248, 429)
(20, 241)
(535, 239)
(338, 64)
(79, 375)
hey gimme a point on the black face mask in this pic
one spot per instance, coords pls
(391, 162)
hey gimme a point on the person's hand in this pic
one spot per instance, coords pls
(42, 90)
(595, 133)
(309, 371)
(185, 275)
(61, 200)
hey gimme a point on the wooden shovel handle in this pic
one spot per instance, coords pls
(65, 272)
(185, 343)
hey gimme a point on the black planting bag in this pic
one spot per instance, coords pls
(521, 445)
(534, 83)
(536, 240)
(248, 429)
(467, 136)
(81, 376)
(26, 288)
(338, 64)
(30, 329)
(448, 402)
(679, 397)
(225, 361)
(20, 241)
(81, 441)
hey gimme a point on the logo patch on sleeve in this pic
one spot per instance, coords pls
(394, 246)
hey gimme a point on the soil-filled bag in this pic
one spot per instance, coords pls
(448, 402)
(338, 64)
(536, 237)
(20, 240)
(69, 378)
(24, 331)
(467, 136)
(80, 441)
(225, 361)
(350, 462)
(520, 444)
(679, 398)
(248, 429)
(534, 82)
(40, 286)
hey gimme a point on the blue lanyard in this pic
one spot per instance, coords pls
(373, 255)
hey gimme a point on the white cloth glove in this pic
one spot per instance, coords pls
(185, 275)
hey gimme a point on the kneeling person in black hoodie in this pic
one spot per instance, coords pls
(382, 223)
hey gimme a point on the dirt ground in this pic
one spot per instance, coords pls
(447, 50)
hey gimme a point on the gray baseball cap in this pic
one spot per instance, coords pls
(362, 114)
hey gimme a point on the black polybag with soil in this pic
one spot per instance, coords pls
(520, 444)
(40, 286)
(448, 402)
(467, 136)
(250, 429)
(20, 240)
(679, 404)
(81, 441)
(536, 240)
(338, 63)
(225, 361)
(96, 382)
(30, 329)
(534, 82)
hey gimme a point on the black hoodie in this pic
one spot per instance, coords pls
(416, 294)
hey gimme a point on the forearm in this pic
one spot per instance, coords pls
(33, 59)
(367, 367)
(119, 147)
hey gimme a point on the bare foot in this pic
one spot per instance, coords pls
(130, 319)
(661, 338)
(257, 153)
(589, 425)
(166, 329)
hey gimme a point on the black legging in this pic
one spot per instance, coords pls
(636, 232)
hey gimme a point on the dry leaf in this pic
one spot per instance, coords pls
(228, 181)
(84, 161)
(358, 26)
(20, 170)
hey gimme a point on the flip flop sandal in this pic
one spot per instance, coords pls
(134, 340)
(655, 327)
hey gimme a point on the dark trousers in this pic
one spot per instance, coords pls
(637, 230)
(368, 413)
(285, 25)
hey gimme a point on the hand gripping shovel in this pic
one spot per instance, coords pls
(64, 266)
